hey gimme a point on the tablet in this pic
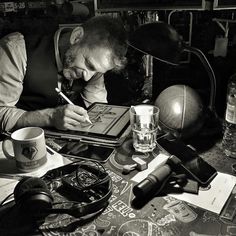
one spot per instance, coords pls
(110, 124)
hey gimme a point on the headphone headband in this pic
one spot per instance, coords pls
(36, 193)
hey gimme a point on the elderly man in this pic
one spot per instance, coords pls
(73, 60)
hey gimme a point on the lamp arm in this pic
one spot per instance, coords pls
(210, 73)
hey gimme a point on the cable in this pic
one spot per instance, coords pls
(5, 199)
(210, 73)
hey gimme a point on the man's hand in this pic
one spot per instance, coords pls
(68, 116)
(63, 117)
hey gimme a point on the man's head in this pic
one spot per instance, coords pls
(99, 45)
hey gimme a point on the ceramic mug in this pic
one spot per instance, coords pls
(29, 148)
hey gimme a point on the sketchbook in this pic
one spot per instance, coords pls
(110, 126)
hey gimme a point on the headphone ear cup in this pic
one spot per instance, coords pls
(32, 195)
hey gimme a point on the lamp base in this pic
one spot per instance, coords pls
(206, 137)
(209, 134)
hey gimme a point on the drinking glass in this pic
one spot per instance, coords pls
(144, 124)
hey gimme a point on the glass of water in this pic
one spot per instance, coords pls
(144, 121)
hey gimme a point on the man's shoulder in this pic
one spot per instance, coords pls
(13, 38)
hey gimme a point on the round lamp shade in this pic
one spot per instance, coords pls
(181, 110)
(158, 39)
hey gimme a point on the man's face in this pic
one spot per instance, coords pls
(83, 62)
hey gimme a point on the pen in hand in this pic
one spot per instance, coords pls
(70, 102)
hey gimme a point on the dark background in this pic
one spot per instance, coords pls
(126, 87)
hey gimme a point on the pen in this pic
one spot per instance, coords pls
(70, 102)
(64, 96)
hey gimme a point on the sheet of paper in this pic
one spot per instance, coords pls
(7, 167)
(214, 198)
(159, 160)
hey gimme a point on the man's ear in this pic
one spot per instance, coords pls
(76, 35)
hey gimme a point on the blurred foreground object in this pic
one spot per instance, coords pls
(229, 138)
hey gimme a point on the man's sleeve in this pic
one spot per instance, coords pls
(95, 91)
(12, 71)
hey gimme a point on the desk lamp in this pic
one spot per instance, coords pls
(162, 41)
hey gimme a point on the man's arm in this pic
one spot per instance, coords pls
(12, 71)
(62, 117)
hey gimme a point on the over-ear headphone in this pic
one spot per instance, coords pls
(34, 197)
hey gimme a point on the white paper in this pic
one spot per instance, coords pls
(159, 160)
(215, 197)
(8, 167)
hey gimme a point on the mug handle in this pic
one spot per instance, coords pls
(5, 149)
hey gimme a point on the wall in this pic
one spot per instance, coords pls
(204, 33)
(43, 15)
(131, 81)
